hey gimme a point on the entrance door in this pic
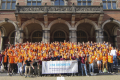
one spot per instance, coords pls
(81, 36)
(59, 36)
(37, 36)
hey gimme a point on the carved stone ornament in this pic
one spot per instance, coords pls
(59, 9)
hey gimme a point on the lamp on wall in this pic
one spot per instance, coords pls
(111, 19)
(6, 19)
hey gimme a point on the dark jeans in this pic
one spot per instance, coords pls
(40, 70)
(35, 70)
(110, 67)
(5, 66)
(15, 68)
(11, 68)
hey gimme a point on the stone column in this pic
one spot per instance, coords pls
(21, 37)
(46, 36)
(72, 36)
(115, 41)
(1, 45)
(101, 36)
(97, 36)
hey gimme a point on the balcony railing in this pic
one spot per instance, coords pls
(59, 9)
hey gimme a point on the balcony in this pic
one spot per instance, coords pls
(59, 9)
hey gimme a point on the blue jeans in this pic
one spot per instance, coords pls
(115, 62)
(24, 68)
(91, 65)
(83, 65)
(19, 66)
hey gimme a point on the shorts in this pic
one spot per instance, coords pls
(98, 62)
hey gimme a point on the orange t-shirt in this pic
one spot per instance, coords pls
(16, 59)
(91, 60)
(110, 59)
(5, 59)
(98, 58)
(11, 59)
(20, 60)
(104, 59)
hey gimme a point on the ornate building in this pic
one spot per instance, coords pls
(59, 20)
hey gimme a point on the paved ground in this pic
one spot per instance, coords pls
(106, 76)
(103, 77)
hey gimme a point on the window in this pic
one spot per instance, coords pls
(8, 4)
(33, 2)
(59, 2)
(81, 36)
(37, 36)
(109, 4)
(84, 2)
(59, 36)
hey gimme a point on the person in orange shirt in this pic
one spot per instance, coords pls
(16, 61)
(11, 63)
(91, 63)
(5, 61)
(20, 61)
(99, 62)
(110, 63)
(104, 61)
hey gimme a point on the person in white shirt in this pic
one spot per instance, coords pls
(114, 54)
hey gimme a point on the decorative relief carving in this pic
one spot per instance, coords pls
(54, 9)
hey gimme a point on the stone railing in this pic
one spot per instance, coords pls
(59, 9)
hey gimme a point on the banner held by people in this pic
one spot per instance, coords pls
(57, 67)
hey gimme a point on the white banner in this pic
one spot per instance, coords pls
(56, 67)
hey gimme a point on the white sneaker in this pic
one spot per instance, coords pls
(108, 72)
(7, 73)
(87, 75)
(99, 71)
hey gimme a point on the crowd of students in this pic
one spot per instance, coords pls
(20, 57)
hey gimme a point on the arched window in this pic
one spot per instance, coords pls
(59, 36)
(81, 36)
(37, 36)
(12, 38)
(59, 2)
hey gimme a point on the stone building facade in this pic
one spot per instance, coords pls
(59, 20)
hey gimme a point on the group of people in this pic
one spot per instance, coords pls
(20, 57)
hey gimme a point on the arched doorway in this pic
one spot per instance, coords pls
(85, 32)
(37, 36)
(33, 32)
(59, 32)
(6, 29)
(81, 36)
(12, 38)
(59, 36)
(110, 29)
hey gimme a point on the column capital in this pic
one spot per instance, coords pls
(45, 31)
(21, 31)
(96, 30)
(3, 36)
(72, 30)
